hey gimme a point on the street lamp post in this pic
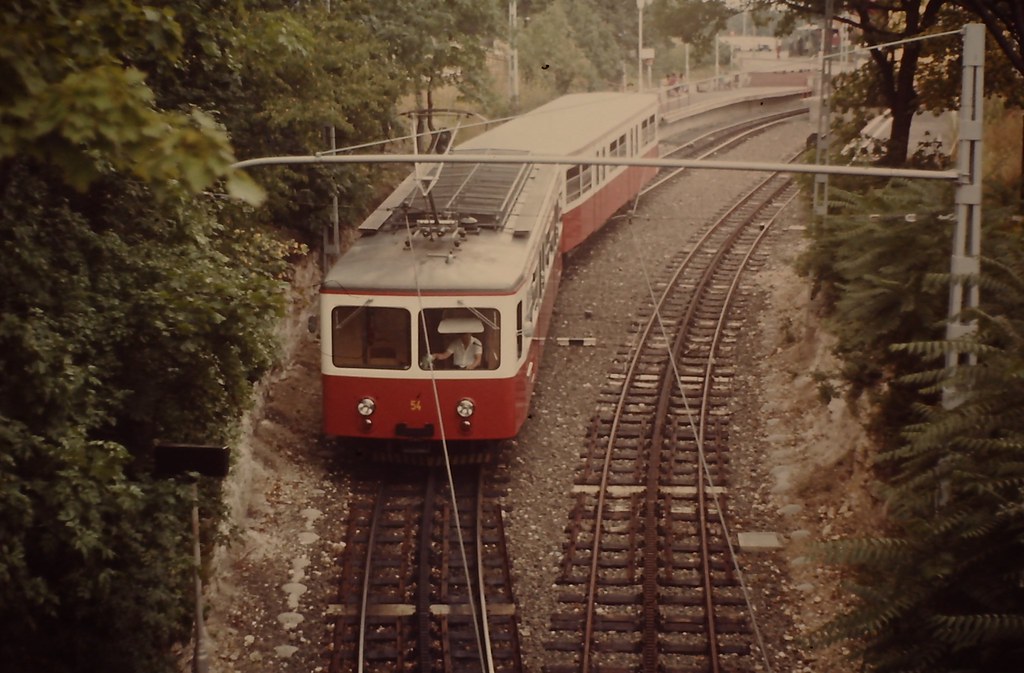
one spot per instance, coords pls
(640, 4)
(513, 57)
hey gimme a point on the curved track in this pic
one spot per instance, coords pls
(717, 140)
(648, 571)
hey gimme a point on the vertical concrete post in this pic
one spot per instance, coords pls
(965, 259)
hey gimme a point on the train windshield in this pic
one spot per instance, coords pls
(460, 338)
(370, 337)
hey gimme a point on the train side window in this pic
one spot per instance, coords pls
(618, 147)
(586, 178)
(534, 294)
(370, 337)
(573, 183)
(649, 129)
(552, 242)
(519, 330)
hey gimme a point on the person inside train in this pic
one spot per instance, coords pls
(466, 352)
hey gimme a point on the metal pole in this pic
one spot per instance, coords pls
(333, 247)
(716, 60)
(335, 215)
(548, 159)
(513, 56)
(640, 46)
(965, 260)
(201, 659)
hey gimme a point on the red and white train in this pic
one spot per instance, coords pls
(480, 254)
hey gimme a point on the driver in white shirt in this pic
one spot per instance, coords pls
(466, 352)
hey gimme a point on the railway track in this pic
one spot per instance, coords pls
(717, 140)
(419, 572)
(410, 598)
(647, 578)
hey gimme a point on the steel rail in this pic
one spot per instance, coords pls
(378, 508)
(702, 482)
(742, 130)
(588, 630)
(620, 405)
(668, 384)
(423, 582)
(705, 476)
(487, 655)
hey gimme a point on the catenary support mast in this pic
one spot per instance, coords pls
(965, 262)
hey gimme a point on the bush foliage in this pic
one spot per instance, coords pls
(139, 300)
(941, 588)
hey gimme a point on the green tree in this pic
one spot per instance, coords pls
(436, 43)
(1005, 23)
(892, 80)
(551, 57)
(693, 21)
(69, 99)
(598, 33)
(276, 78)
(139, 303)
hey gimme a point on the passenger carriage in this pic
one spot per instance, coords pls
(480, 254)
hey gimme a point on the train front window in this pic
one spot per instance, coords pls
(460, 338)
(369, 337)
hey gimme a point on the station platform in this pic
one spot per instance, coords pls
(682, 107)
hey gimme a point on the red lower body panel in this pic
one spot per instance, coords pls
(583, 220)
(407, 410)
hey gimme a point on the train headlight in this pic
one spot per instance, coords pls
(465, 408)
(366, 407)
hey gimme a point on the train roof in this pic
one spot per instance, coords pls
(495, 206)
(486, 259)
(566, 125)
